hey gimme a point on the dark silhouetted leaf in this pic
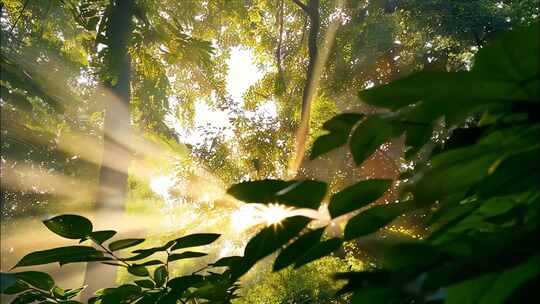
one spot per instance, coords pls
(101, 236)
(138, 270)
(357, 196)
(297, 249)
(62, 254)
(501, 59)
(227, 261)
(145, 283)
(185, 255)
(160, 275)
(28, 297)
(339, 126)
(151, 263)
(273, 237)
(155, 249)
(261, 192)
(37, 279)
(318, 251)
(463, 167)
(374, 218)
(69, 226)
(512, 176)
(303, 194)
(365, 140)
(125, 243)
(194, 240)
(180, 284)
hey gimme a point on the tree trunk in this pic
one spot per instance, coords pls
(116, 137)
(312, 11)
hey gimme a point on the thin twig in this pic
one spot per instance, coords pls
(302, 5)
(110, 253)
(19, 17)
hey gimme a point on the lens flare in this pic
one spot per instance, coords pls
(275, 213)
(251, 215)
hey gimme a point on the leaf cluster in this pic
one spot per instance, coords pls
(153, 282)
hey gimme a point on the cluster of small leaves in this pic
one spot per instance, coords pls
(480, 181)
(35, 286)
(151, 287)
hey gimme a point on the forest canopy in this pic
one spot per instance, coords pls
(270, 151)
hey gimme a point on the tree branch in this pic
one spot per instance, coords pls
(280, 38)
(19, 17)
(302, 5)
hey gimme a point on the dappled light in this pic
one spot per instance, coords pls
(269, 151)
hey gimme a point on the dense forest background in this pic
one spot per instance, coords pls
(156, 119)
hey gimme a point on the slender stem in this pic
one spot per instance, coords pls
(199, 270)
(110, 253)
(167, 267)
(52, 297)
(19, 17)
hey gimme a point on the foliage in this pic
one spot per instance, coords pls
(467, 135)
(485, 202)
(311, 283)
(150, 286)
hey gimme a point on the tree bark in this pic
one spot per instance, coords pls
(312, 11)
(116, 135)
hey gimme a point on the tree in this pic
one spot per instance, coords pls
(116, 129)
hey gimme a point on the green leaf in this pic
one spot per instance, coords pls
(151, 263)
(139, 256)
(374, 218)
(512, 176)
(303, 194)
(377, 295)
(194, 240)
(58, 292)
(506, 283)
(180, 284)
(28, 297)
(18, 287)
(101, 236)
(68, 254)
(125, 243)
(260, 192)
(450, 91)
(357, 196)
(297, 249)
(339, 126)
(273, 237)
(410, 255)
(160, 275)
(227, 261)
(37, 279)
(318, 251)
(501, 58)
(145, 284)
(369, 135)
(155, 249)
(138, 270)
(7, 280)
(69, 226)
(470, 291)
(126, 293)
(460, 138)
(186, 255)
(463, 167)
